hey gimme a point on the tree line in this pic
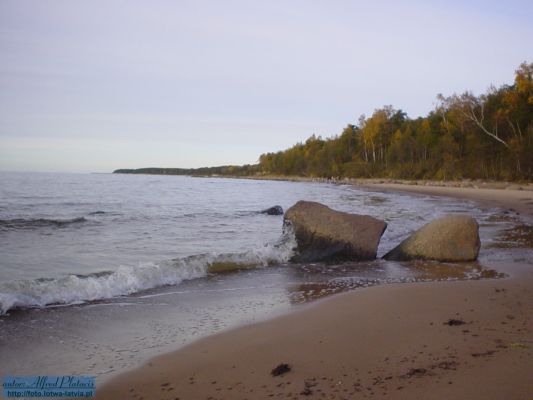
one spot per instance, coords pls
(224, 170)
(466, 136)
(488, 136)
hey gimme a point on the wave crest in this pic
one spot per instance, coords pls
(125, 280)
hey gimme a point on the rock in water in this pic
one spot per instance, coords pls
(451, 238)
(324, 234)
(276, 210)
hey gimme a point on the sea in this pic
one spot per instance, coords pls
(99, 272)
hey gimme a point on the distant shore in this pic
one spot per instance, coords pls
(465, 183)
(438, 340)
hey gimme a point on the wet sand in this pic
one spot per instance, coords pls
(438, 340)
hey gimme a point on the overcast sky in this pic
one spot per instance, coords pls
(98, 85)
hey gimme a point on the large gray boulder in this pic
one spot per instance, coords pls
(451, 238)
(324, 234)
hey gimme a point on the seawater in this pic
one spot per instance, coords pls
(71, 238)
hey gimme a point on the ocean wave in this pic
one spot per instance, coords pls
(125, 280)
(33, 223)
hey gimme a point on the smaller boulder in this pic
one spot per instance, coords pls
(275, 210)
(451, 238)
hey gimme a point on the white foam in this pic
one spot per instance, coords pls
(131, 279)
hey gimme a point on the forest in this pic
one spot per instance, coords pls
(478, 137)
(488, 137)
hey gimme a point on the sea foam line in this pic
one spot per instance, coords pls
(127, 280)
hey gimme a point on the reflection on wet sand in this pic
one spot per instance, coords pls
(415, 271)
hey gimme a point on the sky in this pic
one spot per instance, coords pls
(92, 86)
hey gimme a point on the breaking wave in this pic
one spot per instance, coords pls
(125, 280)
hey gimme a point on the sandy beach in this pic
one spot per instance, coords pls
(438, 340)
(517, 200)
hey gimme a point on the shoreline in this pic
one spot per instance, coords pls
(513, 196)
(388, 341)
(515, 200)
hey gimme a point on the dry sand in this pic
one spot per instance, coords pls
(389, 342)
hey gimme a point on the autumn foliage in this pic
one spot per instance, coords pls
(466, 136)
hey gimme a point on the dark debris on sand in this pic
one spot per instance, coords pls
(454, 322)
(450, 365)
(416, 372)
(280, 369)
(484, 354)
(308, 384)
